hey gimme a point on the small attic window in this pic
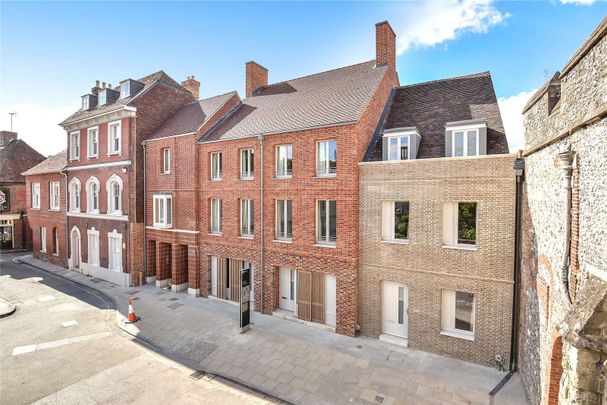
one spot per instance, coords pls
(125, 89)
(85, 102)
(102, 97)
(89, 101)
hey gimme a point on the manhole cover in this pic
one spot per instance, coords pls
(160, 293)
(359, 346)
(174, 299)
(197, 375)
(174, 305)
(95, 280)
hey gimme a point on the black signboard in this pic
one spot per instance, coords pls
(245, 298)
(5, 198)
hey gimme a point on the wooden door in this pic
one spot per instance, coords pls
(304, 295)
(318, 297)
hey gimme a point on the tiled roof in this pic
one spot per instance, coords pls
(54, 164)
(324, 99)
(147, 81)
(192, 116)
(15, 158)
(428, 106)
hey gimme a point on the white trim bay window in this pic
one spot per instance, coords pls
(284, 161)
(92, 195)
(326, 222)
(399, 147)
(326, 158)
(75, 145)
(92, 142)
(166, 160)
(53, 198)
(284, 220)
(458, 313)
(460, 224)
(36, 196)
(216, 166)
(246, 217)
(216, 216)
(75, 195)
(395, 221)
(465, 142)
(163, 211)
(114, 144)
(246, 164)
(114, 187)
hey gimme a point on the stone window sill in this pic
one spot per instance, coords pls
(458, 335)
(396, 241)
(283, 240)
(325, 245)
(461, 247)
(215, 234)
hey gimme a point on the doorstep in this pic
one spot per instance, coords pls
(289, 316)
(395, 340)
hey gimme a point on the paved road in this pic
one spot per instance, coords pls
(62, 346)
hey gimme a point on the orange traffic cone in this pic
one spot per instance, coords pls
(132, 317)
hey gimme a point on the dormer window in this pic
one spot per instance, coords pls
(400, 143)
(102, 97)
(85, 103)
(125, 89)
(89, 101)
(465, 138)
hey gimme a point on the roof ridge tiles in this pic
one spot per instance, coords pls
(446, 79)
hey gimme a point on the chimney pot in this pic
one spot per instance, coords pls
(103, 85)
(256, 77)
(192, 85)
(96, 83)
(385, 45)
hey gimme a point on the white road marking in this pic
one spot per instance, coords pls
(69, 323)
(46, 298)
(58, 343)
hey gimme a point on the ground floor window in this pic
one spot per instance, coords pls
(115, 251)
(55, 241)
(93, 246)
(43, 239)
(458, 312)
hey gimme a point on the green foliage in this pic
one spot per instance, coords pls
(466, 223)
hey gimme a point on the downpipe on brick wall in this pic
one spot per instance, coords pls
(145, 210)
(67, 231)
(566, 158)
(519, 168)
(261, 253)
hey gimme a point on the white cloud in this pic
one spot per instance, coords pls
(38, 125)
(511, 109)
(432, 23)
(578, 2)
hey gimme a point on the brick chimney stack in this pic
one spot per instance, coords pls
(193, 86)
(385, 45)
(257, 76)
(6, 137)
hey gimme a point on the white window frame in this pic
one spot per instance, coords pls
(86, 100)
(163, 211)
(166, 160)
(284, 174)
(216, 166)
(75, 190)
(388, 221)
(285, 235)
(451, 225)
(247, 163)
(216, 214)
(247, 226)
(118, 242)
(448, 308)
(54, 201)
(327, 239)
(93, 247)
(89, 144)
(110, 142)
(324, 147)
(102, 97)
(75, 145)
(399, 136)
(125, 89)
(35, 196)
(43, 239)
(110, 194)
(465, 129)
(92, 195)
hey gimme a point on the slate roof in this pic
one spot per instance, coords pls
(428, 106)
(147, 82)
(54, 164)
(334, 97)
(191, 117)
(15, 158)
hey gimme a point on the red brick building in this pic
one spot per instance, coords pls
(105, 173)
(46, 209)
(278, 180)
(16, 156)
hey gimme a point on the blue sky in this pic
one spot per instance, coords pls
(52, 52)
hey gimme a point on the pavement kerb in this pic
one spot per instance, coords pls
(7, 308)
(121, 323)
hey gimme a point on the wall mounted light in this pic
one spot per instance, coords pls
(125, 169)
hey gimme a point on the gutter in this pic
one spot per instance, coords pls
(145, 210)
(519, 167)
(67, 233)
(261, 199)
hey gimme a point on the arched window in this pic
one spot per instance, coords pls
(75, 195)
(92, 195)
(114, 187)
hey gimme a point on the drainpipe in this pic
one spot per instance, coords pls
(566, 158)
(67, 227)
(145, 210)
(261, 234)
(519, 167)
